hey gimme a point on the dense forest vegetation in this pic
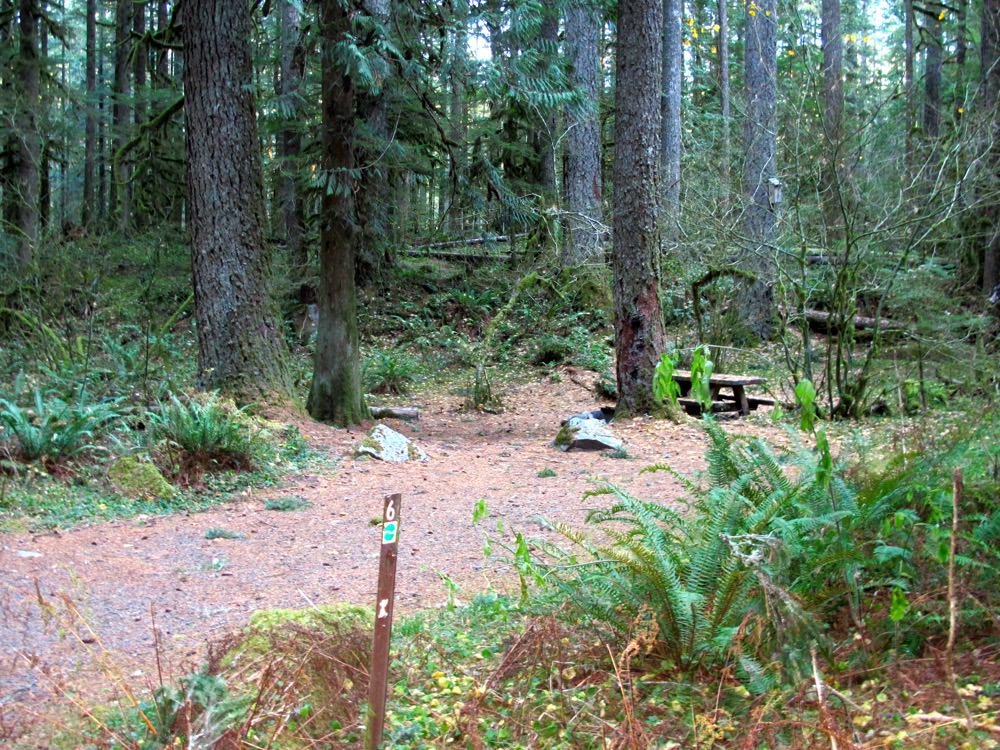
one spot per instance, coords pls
(224, 225)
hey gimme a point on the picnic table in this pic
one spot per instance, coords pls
(736, 401)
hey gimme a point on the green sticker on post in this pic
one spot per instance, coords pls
(389, 532)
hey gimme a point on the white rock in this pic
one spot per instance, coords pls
(386, 444)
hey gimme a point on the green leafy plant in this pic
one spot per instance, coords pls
(805, 396)
(701, 377)
(54, 430)
(665, 388)
(287, 504)
(219, 533)
(546, 473)
(204, 434)
(390, 371)
(742, 559)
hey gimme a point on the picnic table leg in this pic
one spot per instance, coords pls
(741, 398)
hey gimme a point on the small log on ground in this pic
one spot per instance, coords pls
(825, 322)
(408, 413)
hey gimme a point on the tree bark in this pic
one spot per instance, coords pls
(549, 37)
(459, 116)
(28, 139)
(722, 45)
(990, 108)
(102, 166)
(582, 170)
(120, 189)
(833, 110)
(291, 204)
(908, 87)
(756, 302)
(44, 178)
(335, 395)
(239, 340)
(140, 197)
(87, 214)
(670, 139)
(639, 334)
(933, 65)
(373, 256)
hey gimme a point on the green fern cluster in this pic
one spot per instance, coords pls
(729, 580)
(205, 433)
(53, 430)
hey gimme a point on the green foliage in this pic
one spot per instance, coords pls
(390, 371)
(216, 532)
(204, 433)
(53, 430)
(137, 478)
(805, 395)
(546, 473)
(287, 504)
(665, 388)
(701, 376)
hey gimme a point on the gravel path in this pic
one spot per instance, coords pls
(125, 575)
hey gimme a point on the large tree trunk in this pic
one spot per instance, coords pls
(335, 395)
(639, 335)
(724, 103)
(833, 110)
(756, 302)
(908, 87)
(549, 38)
(119, 198)
(28, 140)
(582, 171)
(239, 340)
(87, 213)
(44, 177)
(102, 162)
(141, 198)
(670, 139)
(373, 256)
(459, 117)
(291, 204)
(990, 108)
(933, 65)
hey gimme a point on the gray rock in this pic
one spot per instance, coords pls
(386, 444)
(587, 434)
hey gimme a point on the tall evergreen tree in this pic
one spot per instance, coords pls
(240, 346)
(582, 173)
(639, 335)
(756, 301)
(990, 108)
(833, 109)
(27, 187)
(335, 395)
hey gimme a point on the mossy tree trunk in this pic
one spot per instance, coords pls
(240, 346)
(335, 395)
(639, 335)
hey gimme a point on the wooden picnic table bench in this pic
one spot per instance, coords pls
(739, 401)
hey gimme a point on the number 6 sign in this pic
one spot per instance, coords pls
(383, 622)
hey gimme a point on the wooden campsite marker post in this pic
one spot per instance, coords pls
(379, 673)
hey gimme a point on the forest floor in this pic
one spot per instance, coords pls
(153, 591)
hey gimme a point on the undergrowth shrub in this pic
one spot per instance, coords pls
(195, 435)
(52, 430)
(730, 579)
(390, 371)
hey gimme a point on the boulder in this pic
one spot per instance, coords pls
(585, 433)
(386, 444)
(133, 477)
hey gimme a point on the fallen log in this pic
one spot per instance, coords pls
(823, 321)
(472, 241)
(408, 413)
